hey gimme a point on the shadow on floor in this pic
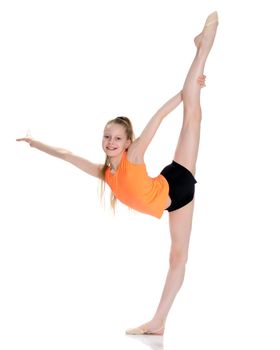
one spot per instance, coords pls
(155, 342)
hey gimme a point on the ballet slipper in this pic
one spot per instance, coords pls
(142, 330)
(211, 20)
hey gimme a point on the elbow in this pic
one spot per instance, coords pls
(65, 155)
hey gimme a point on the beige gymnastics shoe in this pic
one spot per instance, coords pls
(143, 330)
(211, 19)
(209, 30)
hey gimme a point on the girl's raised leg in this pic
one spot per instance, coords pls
(188, 143)
(180, 220)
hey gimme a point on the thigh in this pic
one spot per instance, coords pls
(188, 144)
(180, 223)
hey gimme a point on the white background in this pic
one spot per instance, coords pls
(72, 275)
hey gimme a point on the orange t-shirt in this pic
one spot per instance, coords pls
(133, 187)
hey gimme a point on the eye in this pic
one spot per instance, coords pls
(118, 138)
(105, 136)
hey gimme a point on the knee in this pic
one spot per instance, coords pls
(178, 258)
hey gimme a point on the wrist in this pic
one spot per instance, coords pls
(32, 143)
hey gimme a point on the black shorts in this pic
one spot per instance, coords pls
(181, 185)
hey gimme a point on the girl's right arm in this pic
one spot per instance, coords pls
(83, 164)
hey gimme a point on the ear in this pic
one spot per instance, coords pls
(127, 144)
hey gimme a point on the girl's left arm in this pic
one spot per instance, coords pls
(140, 145)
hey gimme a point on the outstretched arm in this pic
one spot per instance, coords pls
(139, 146)
(81, 163)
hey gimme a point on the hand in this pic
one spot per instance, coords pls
(28, 138)
(201, 80)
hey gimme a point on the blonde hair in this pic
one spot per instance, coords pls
(126, 123)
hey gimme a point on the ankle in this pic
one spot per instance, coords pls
(202, 53)
(158, 321)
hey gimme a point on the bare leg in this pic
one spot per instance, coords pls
(188, 143)
(180, 221)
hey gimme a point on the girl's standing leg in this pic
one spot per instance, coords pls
(180, 221)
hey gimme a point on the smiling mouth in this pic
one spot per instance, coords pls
(110, 148)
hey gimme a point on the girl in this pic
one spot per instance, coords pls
(125, 172)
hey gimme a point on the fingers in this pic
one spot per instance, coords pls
(201, 80)
(26, 139)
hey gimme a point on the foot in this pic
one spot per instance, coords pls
(205, 39)
(146, 329)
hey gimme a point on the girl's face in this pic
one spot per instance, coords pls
(114, 140)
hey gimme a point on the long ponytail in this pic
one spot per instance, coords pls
(126, 123)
